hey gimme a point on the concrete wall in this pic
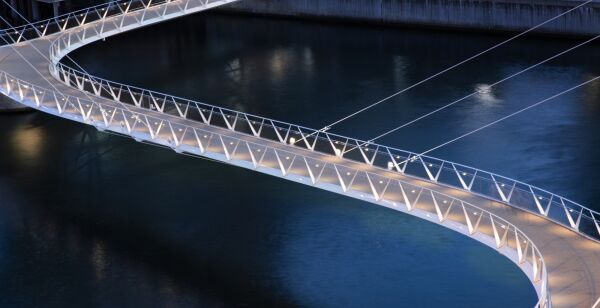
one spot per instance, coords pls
(499, 15)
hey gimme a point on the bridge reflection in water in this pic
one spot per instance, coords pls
(552, 239)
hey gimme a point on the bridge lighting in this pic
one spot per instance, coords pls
(347, 173)
(231, 143)
(394, 203)
(540, 197)
(338, 152)
(287, 157)
(445, 201)
(502, 185)
(380, 182)
(413, 191)
(390, 165)
(430, 165)
(464, 173)
(292, 140)
(503, 227)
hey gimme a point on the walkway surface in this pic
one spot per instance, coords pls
(572, 260)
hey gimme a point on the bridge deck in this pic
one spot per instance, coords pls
(572, 260)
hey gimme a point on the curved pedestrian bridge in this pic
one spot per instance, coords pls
(553, 240)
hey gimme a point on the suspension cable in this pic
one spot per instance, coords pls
(329, 126)
(501, 119)
(474, 93)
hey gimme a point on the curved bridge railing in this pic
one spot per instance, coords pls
(383, 188)
(85, 16)
(499, 188)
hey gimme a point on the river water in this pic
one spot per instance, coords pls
(90, 219)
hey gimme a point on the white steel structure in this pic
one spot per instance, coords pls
(520, 221)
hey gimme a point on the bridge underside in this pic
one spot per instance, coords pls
(572, 260)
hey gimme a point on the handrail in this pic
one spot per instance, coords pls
(499, 188)
(78, 18)
(538, 201)
(476, 222)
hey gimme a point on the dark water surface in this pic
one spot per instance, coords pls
(90, 219)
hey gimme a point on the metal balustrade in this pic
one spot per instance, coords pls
(85, 16)
(384, 188)
(483, 183)
(397, 179)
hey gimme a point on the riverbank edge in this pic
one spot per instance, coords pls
(487, 16)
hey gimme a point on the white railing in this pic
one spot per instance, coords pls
(345, 177)
(490, 185)
(103, 20)
(82, 17)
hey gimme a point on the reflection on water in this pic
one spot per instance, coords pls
(313, 74)
(28, 142)
(98, 259)
(105, 221)
(99, 220)
(485, 94)
(278, 62)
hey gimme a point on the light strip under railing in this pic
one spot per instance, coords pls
(499, 188)
(383, 188)
(541, 202)
(82, 17)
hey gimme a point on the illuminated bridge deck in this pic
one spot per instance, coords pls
(571, 260)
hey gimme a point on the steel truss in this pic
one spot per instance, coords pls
(509, 191)
(275, 158)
